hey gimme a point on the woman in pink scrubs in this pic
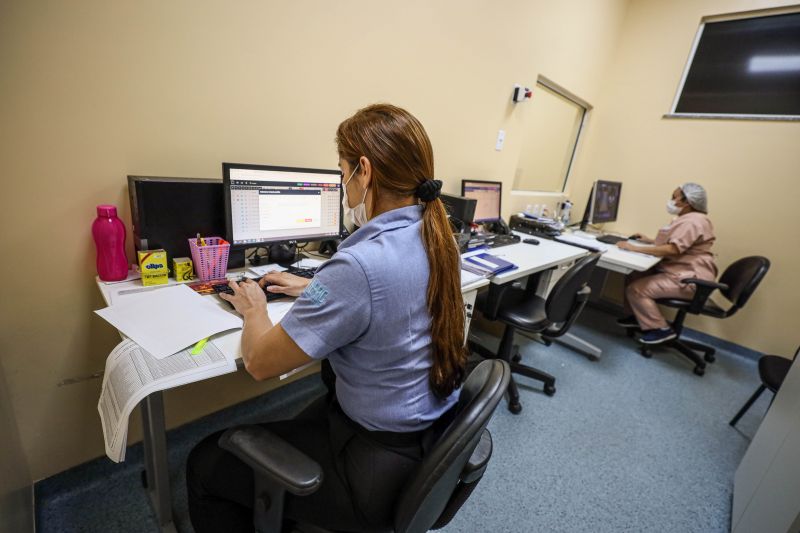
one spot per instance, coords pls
(685, 246)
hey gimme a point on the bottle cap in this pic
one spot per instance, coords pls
(106, 210)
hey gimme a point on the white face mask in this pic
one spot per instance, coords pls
(673, 209)
(358, 214)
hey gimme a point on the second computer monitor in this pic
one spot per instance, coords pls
(488, 194)
(268, 204)
(603, 204)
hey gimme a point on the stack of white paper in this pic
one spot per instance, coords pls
(164, 321)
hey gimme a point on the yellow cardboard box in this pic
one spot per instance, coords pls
(182, 268)
(153, 266)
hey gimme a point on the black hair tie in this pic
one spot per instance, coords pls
(429, 190)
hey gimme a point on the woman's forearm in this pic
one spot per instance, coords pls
(256, 325)
(662, 250)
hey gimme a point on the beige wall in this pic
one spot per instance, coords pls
(95, 90)
(750, 169)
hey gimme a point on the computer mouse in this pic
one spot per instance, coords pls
(531, 241)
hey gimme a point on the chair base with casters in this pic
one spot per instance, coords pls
(696, 352)
(455, 461)
(521, 309)
(772, 370)
(509, 353)
(736, 284)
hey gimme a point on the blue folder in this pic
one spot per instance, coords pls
(487, 264)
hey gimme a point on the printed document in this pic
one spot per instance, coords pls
(132, 373)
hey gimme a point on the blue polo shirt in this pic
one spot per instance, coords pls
(366, 311)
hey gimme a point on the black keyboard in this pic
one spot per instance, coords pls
(492, 241)
(307, 273)
(611, 239)
(224, 287)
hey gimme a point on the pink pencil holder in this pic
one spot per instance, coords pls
(211, 260)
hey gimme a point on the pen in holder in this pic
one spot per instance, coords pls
(211, 259)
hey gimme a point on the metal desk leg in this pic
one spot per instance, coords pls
(579, 345)
(155, 459)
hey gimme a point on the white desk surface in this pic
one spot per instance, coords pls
(111, 290)
(613, 258)
(531, 258)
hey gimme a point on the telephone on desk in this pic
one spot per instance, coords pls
(534, 227)
(498, 227)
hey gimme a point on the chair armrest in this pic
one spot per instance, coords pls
(703, 289)
(705, 283)
(476, 464)
(274, 458)
(556, 330)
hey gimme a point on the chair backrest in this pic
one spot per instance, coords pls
(742, 278)
(429, 489)
(561, 302)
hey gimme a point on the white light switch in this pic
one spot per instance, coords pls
(501, 138)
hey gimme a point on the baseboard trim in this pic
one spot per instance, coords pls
(738, 349)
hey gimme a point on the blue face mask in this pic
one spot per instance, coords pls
(358, 214)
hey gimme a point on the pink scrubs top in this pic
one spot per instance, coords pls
(693, 234)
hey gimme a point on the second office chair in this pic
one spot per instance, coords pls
(551, 317)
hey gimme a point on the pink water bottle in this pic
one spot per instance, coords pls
(109, 238)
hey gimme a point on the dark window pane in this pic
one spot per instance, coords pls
(746, 66)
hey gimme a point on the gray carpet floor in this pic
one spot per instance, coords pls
(626, 444)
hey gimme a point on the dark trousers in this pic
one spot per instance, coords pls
(363, 474)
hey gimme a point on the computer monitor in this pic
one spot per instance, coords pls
(488, 194)
(603, 203)
(166, 212)
(269, 204)
(460, 208)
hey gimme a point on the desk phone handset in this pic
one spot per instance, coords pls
(498, 227)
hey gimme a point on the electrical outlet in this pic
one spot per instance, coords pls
(501, 139)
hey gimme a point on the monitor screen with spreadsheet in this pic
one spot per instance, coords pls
(267, 204)
(488, 194)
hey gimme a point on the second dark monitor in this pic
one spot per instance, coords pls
(459, 207)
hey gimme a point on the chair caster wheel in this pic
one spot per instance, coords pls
(646, 353)
(549, 390)
(546, 341)
(515, 408)
(709, 357)
(516, 358)
(699, 370)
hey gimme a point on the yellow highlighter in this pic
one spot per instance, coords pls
(199, 346)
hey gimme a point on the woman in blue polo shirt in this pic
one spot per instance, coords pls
(387, 313)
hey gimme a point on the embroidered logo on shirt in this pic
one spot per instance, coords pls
(317, 292)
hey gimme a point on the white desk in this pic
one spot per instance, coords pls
(154, 435)
(613, 258)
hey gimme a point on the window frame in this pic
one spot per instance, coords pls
(786, 10)
(583, 104)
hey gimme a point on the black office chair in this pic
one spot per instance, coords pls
(433, 494)
(772, 370)
(523, 309)
(736, 284)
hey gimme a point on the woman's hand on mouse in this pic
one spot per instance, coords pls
(641, 238)
(247, 297)
(284, 283)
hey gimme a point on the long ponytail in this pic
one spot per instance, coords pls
(445, 302)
